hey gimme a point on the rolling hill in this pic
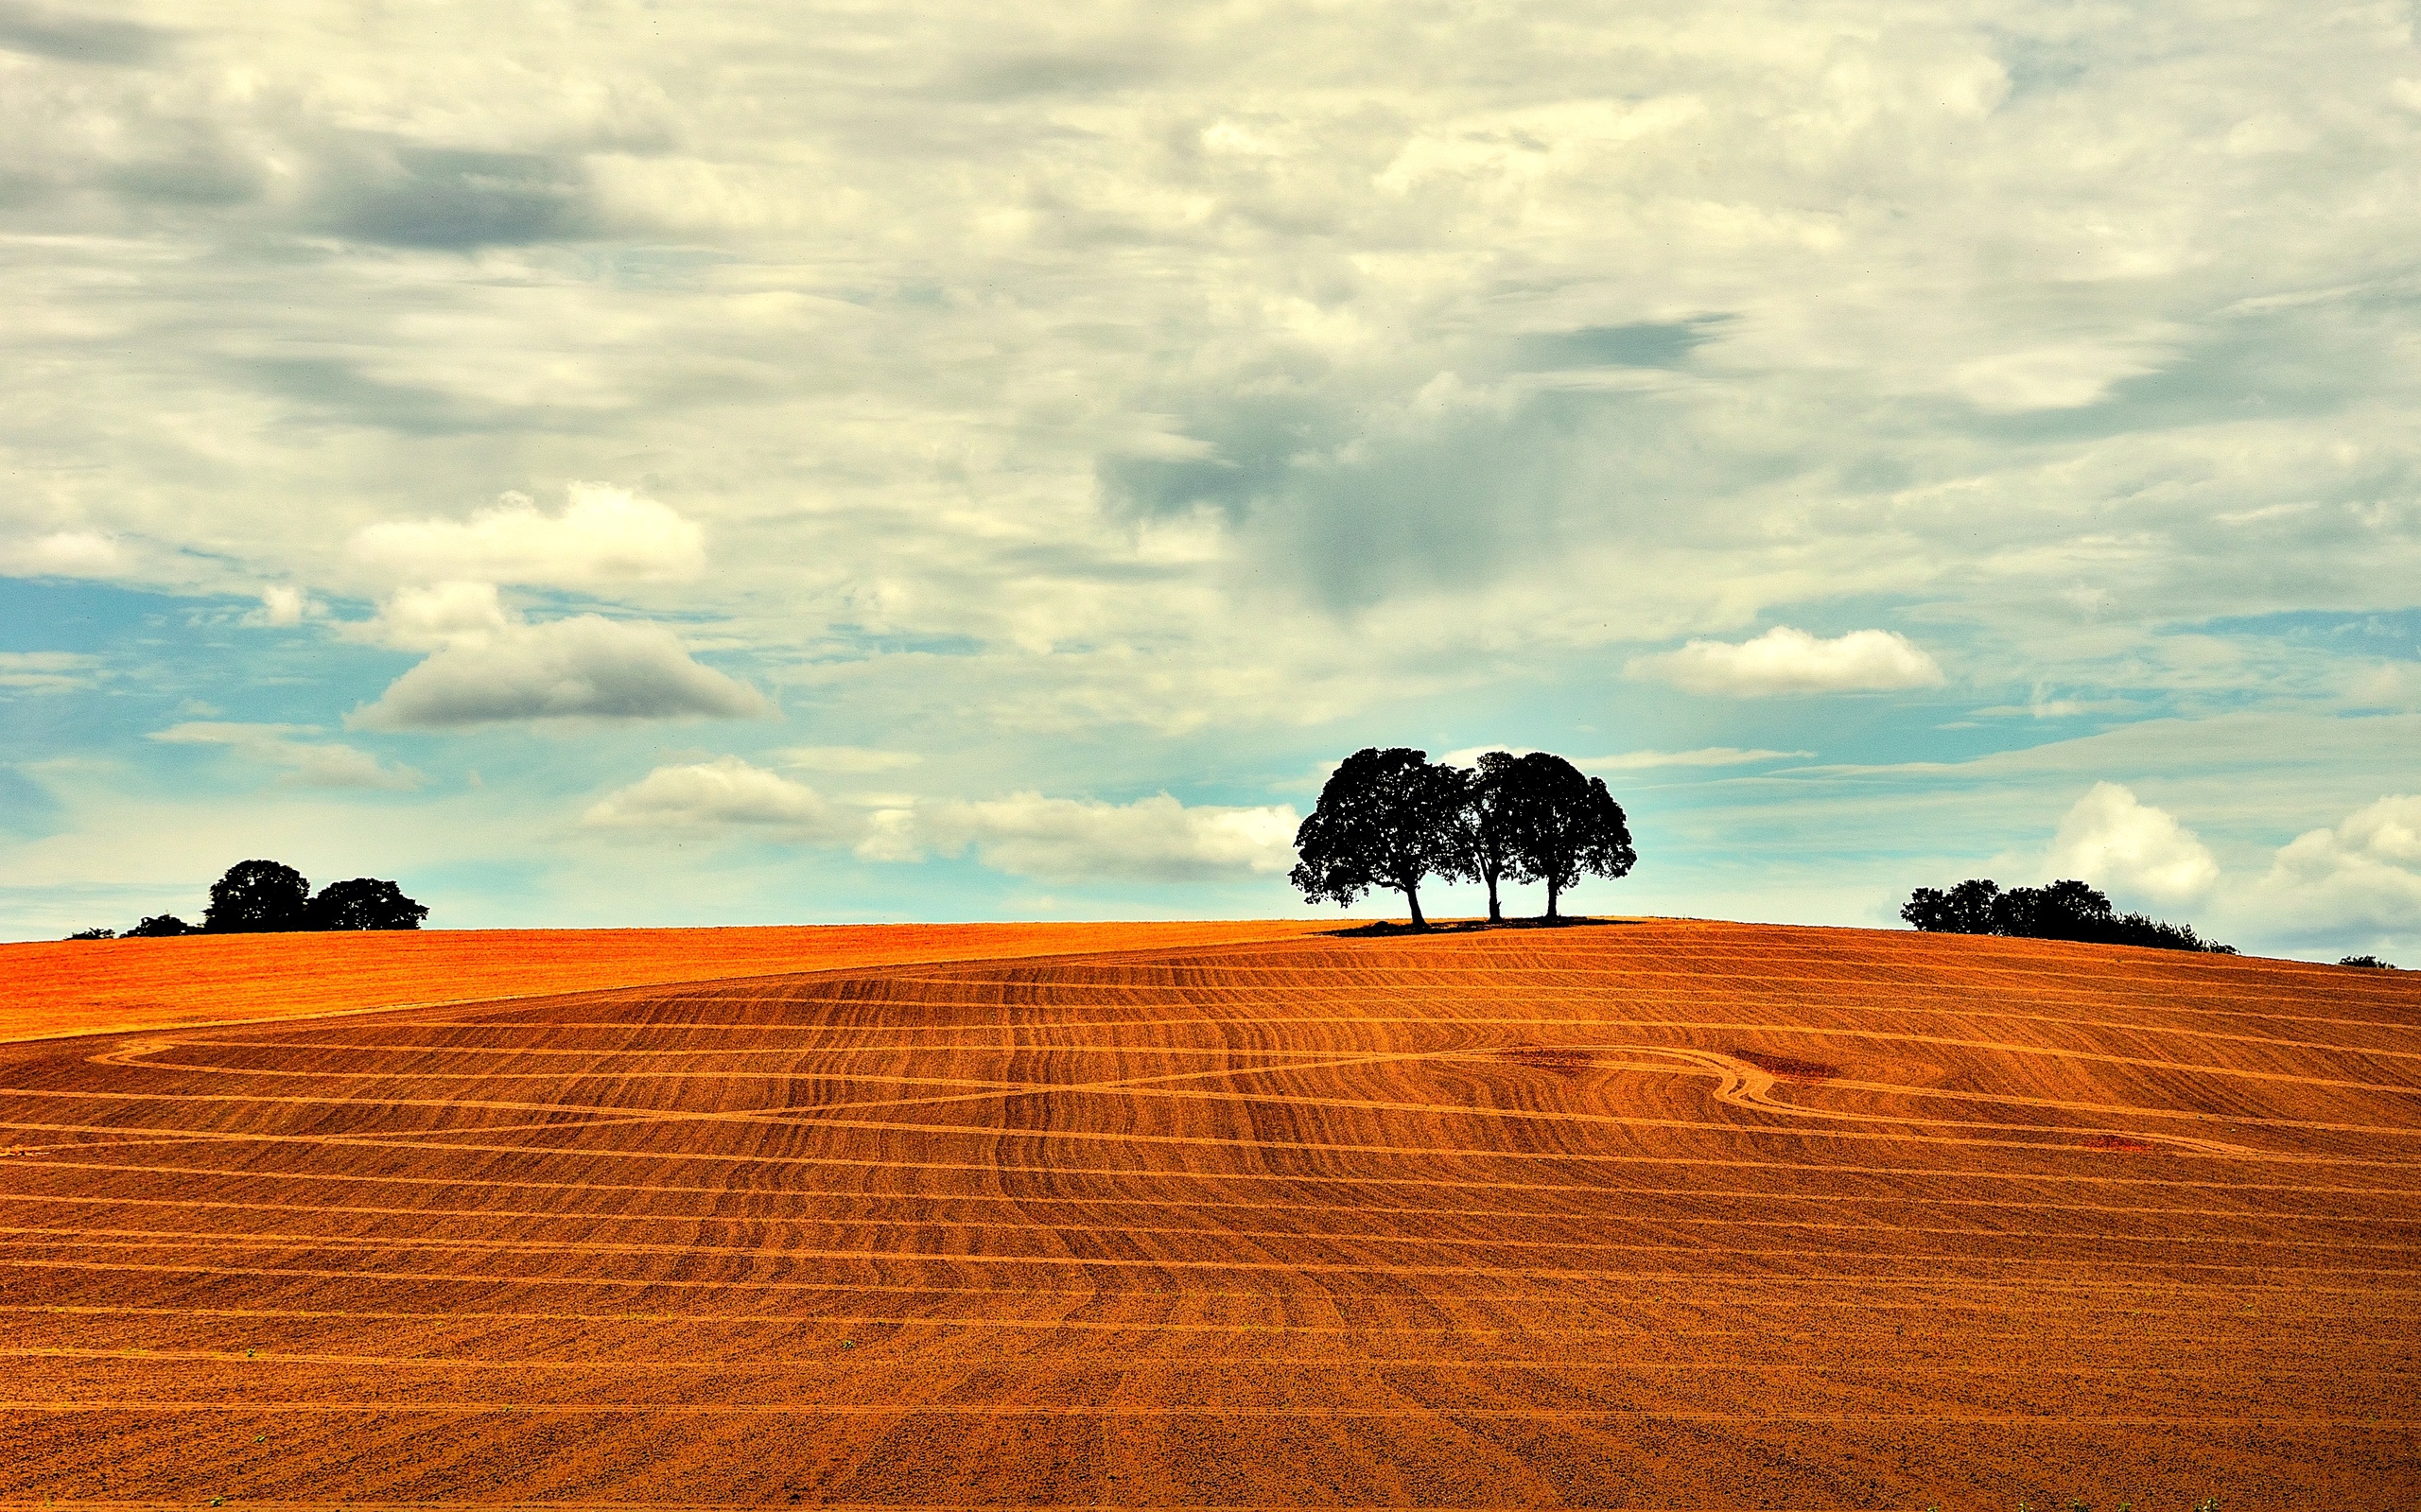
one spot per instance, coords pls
(1645, 1214)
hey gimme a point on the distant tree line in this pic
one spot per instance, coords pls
(2369, 962)
(1393, 819)
(2067, 910)
(270, 897)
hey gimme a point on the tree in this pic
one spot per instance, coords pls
(161, 926)
(363, 903)
(257, 897)
(2067, 910)
(1966, 909)
(2369, 962)
(1484, 829)
(1385, 819)
(96, 933)
(1564, 825)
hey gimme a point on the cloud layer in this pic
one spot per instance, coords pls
(1122, 400)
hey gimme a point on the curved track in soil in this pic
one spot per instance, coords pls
(1649, 1213)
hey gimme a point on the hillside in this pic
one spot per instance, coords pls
(1648, 1213)
(89, 987)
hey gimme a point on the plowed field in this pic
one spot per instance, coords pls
(1642, 1214)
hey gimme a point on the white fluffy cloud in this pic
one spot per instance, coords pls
(2359, 879)
(1785, 660)
(724, 793)
(1068, 840)
(603, 535)
(2364, 872)
(2113, 841)
(306, 763)
(585, 667)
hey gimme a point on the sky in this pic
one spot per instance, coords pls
(732, 464)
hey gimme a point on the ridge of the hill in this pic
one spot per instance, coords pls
(59, 988)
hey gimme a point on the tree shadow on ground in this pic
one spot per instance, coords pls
(1389, 928)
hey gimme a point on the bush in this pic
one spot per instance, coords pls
(2065, 909)
(93, 934)
(2370, 963)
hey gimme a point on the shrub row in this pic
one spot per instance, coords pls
(2067, 910)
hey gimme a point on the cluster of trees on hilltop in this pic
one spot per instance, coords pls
(270, 897)
(1393, 819)
(2067, 910)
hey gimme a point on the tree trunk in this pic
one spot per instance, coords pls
(1552, 890)
(1412, 900)
(1495, 912)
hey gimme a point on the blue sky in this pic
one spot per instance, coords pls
(628, 465)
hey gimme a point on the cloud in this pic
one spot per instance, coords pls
(438, 615)
(727, 792)
(1783, 660)
(2112, 839)
(603, 535)
(36, 29)
(585, 667)
(1710, 755)
(47, 671)
(308, 763)
(2364, 872)
(63, 554)
(847, 758)
(283, 604)
(1155, 840)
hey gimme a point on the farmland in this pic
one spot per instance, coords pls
(1658, 1213)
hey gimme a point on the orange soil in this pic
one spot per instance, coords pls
(85, 987)
(1650, 1214)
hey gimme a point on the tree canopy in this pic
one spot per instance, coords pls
(363, 903)
(1563, 825)
(1484, 830)
(1387, 818)
(257, 897)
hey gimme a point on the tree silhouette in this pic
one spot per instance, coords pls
(161, 926)
(1385, 819)
(363, 903)
(1484, 829)
(1564, 825)
(2065, 909)
(1966, 909)
(257, 897)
